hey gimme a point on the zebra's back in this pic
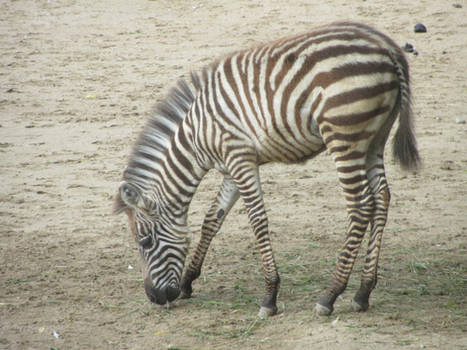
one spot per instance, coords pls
(290, 97)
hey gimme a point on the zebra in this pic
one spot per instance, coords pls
(339, 87)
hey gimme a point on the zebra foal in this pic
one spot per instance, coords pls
(340, 87)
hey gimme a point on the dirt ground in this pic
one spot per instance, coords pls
(78, 80)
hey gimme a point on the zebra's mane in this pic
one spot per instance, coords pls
(156, 136)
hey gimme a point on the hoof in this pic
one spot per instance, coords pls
(185, 290)
(357, 307)
(265, 312)
(185, 295)
(322, 310)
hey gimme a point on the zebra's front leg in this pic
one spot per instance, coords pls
(248, 184)
(225, 199)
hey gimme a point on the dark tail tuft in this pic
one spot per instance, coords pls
(404, 146)
(404, 143)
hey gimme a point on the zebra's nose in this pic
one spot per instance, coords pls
(160, 295)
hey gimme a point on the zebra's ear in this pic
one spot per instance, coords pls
(129, 197)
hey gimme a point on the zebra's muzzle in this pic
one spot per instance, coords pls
(160, 295)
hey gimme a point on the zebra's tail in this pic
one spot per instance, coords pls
(404, 147)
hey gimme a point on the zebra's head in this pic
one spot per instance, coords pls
(162, 243)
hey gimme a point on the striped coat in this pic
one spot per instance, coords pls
(339, 87)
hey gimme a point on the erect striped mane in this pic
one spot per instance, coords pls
(154, 139)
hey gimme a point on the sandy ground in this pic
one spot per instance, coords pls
(78, 80)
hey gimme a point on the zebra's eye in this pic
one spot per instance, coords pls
(130, 195)
(145, 242)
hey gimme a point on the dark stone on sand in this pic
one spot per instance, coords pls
(408, 47)
(420, 28)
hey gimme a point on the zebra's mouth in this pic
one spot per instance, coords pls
(161, 296)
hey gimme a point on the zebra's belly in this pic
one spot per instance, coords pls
(288, 143)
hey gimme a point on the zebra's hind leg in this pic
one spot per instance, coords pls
(225, 199)
(360, 207)
(382, 198)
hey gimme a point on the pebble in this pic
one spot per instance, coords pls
(420, 28)
(460, 121)
(408, 47)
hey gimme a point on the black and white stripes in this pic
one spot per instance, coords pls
(340, 87)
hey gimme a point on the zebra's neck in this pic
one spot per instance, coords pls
(163, 164)
(180, 174)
